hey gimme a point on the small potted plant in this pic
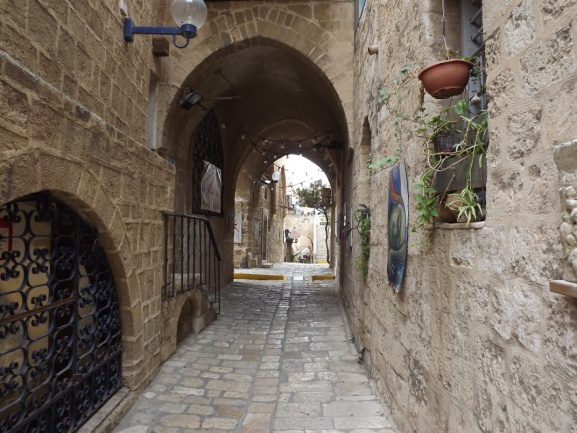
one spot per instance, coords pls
(452, 185)
(466, 206)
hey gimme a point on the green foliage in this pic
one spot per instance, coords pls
(392, 100)
(294, 257)
(475, 130)
(386, 162)
(473, 141)
(467, 206)
(469, 130)
(435, 125)
(312, 196)
(425, 201)
(363, 217)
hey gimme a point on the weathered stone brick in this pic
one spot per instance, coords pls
(554, 8)
(15, 109)
(493, 255)
(519, 29)
(45, 26)
(525, 243)
(549, 62)
(517, 313)
(524, 133)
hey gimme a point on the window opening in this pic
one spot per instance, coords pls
(60, 333)
(359, 7)
(473, 45)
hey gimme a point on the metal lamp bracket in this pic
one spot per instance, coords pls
(188, 31)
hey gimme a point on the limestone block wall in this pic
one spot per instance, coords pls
(475, 342)
(185, 314)
(72, 121)
(262, 235)
(75, 120)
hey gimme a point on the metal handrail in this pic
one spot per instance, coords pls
(191, 256)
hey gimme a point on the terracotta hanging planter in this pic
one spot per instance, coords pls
(445, 79)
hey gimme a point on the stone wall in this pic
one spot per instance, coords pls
(95, 120)
(72, 121)
(264, 205)
(475, 341)
(76, 121)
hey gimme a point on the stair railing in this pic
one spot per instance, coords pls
(191, 257)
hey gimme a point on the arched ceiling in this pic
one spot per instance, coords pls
(276, 85)
(267, 90)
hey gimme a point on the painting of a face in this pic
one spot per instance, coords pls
(398, 227)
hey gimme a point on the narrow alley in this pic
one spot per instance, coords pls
(278, 359)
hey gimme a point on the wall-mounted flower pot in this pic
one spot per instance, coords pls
(453, 204)
(445, 79)
(445, 213)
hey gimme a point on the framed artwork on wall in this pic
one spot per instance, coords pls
(398, 225)
(211, 188)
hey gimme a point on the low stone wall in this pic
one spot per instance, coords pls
(187, 312)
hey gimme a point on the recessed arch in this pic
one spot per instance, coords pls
(82, 190)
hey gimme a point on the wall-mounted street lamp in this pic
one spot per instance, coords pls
(189, 15)
(190, 99)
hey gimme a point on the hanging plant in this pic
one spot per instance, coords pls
(448, 77)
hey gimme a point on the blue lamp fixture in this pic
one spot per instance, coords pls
(189, 15)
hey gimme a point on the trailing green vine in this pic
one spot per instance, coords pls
(392, 100)
(363, 217)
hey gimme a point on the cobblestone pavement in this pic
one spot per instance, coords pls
(278, 359)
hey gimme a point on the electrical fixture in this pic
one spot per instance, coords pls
(189, 15)
(190, 99)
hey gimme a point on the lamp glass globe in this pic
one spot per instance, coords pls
(189, 12)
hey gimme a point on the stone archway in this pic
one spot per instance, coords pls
(82, 190)
(232, 27)
(61, 324)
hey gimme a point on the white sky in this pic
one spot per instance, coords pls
(299, 169)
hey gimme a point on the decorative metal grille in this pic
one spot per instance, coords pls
(60, 336)
(207, 147)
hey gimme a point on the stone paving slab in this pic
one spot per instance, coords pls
(278, 359)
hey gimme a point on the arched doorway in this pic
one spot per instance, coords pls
(60, 357)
